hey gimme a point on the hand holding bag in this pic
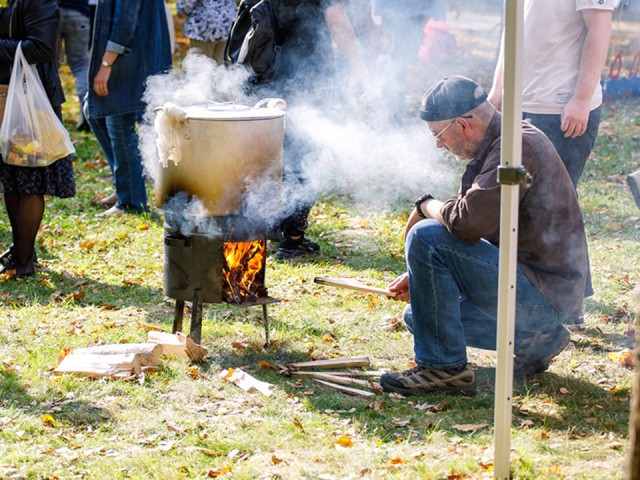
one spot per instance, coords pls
(31, 134)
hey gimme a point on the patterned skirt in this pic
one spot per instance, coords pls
(56, 180)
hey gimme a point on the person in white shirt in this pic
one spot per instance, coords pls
(565, 48)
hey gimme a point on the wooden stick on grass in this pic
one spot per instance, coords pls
(353, 285)
(346, 362)
(348, 390)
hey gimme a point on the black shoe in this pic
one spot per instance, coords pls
(298, 247)
(27, 270)
(7, 261)
(274, 235)
(536, 351)
(7, 256)
(82, 125)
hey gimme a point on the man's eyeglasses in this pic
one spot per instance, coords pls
(438, 136)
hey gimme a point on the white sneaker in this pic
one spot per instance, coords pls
(112, 212)
(109, 201)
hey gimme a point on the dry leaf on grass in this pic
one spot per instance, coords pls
(470, 427)
(264, 365)
(344, 441)
(48, 420)
(216, 472)
(623, 358)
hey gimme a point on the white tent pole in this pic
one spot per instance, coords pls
(510, 159)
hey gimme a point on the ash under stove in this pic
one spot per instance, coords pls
(223, 259)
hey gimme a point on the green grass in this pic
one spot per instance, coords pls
(102, 283)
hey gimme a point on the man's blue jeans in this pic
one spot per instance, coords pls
(454, 297)
(75, 30)
(118, 139)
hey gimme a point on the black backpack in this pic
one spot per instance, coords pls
(253, 40)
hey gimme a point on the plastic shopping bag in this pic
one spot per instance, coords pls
(31, 134)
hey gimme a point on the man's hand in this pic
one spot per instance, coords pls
(575, 117)
(400, 286)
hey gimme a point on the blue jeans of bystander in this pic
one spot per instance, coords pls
(574, 152)
(75, 30)
(454, 297)
(118, 139)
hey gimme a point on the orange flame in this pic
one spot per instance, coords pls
(244, 260)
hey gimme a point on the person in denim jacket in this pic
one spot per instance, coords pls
(130, 43)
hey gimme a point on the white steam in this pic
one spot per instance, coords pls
(353, 153)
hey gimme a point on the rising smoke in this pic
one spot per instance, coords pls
(355, 150)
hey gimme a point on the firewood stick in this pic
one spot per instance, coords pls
(346, 373)
(352, 285)
(348, 390)
(345, 362)
(97, 365)
(149, 353)
(342, 380)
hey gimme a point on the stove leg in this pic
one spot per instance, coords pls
(196, 317)
(266, 326)
(177, 316)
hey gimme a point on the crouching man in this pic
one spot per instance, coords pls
(452, 251)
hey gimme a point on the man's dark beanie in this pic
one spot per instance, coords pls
(451, 97)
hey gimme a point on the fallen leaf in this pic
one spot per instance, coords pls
(470, 427)
(400, 423)
(63, 353)
(48, 420)
(397, 461)
(297, 423)
(264, 365)
(146, 326)
(275, 460)
(328, 338)
(87, 244)
(428, 407)
(345, 441)
(564, 391)
(194, 373)
(213, 473)
(623, 357)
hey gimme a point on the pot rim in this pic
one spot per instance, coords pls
(231, 111)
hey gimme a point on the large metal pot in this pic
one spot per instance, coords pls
(220, 153)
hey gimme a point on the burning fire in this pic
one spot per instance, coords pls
(244, 260)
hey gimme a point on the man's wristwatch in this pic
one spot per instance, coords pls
(106, 64)
(419, 200)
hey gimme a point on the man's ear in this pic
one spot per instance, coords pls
(465, 125)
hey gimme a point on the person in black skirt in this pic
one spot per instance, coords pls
(35, 24)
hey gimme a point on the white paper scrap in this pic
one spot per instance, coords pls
(246, 381)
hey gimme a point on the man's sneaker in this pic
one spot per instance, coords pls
(300, 247)
(536, 351)
(421, 380)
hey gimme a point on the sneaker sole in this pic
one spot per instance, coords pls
(408, 392)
